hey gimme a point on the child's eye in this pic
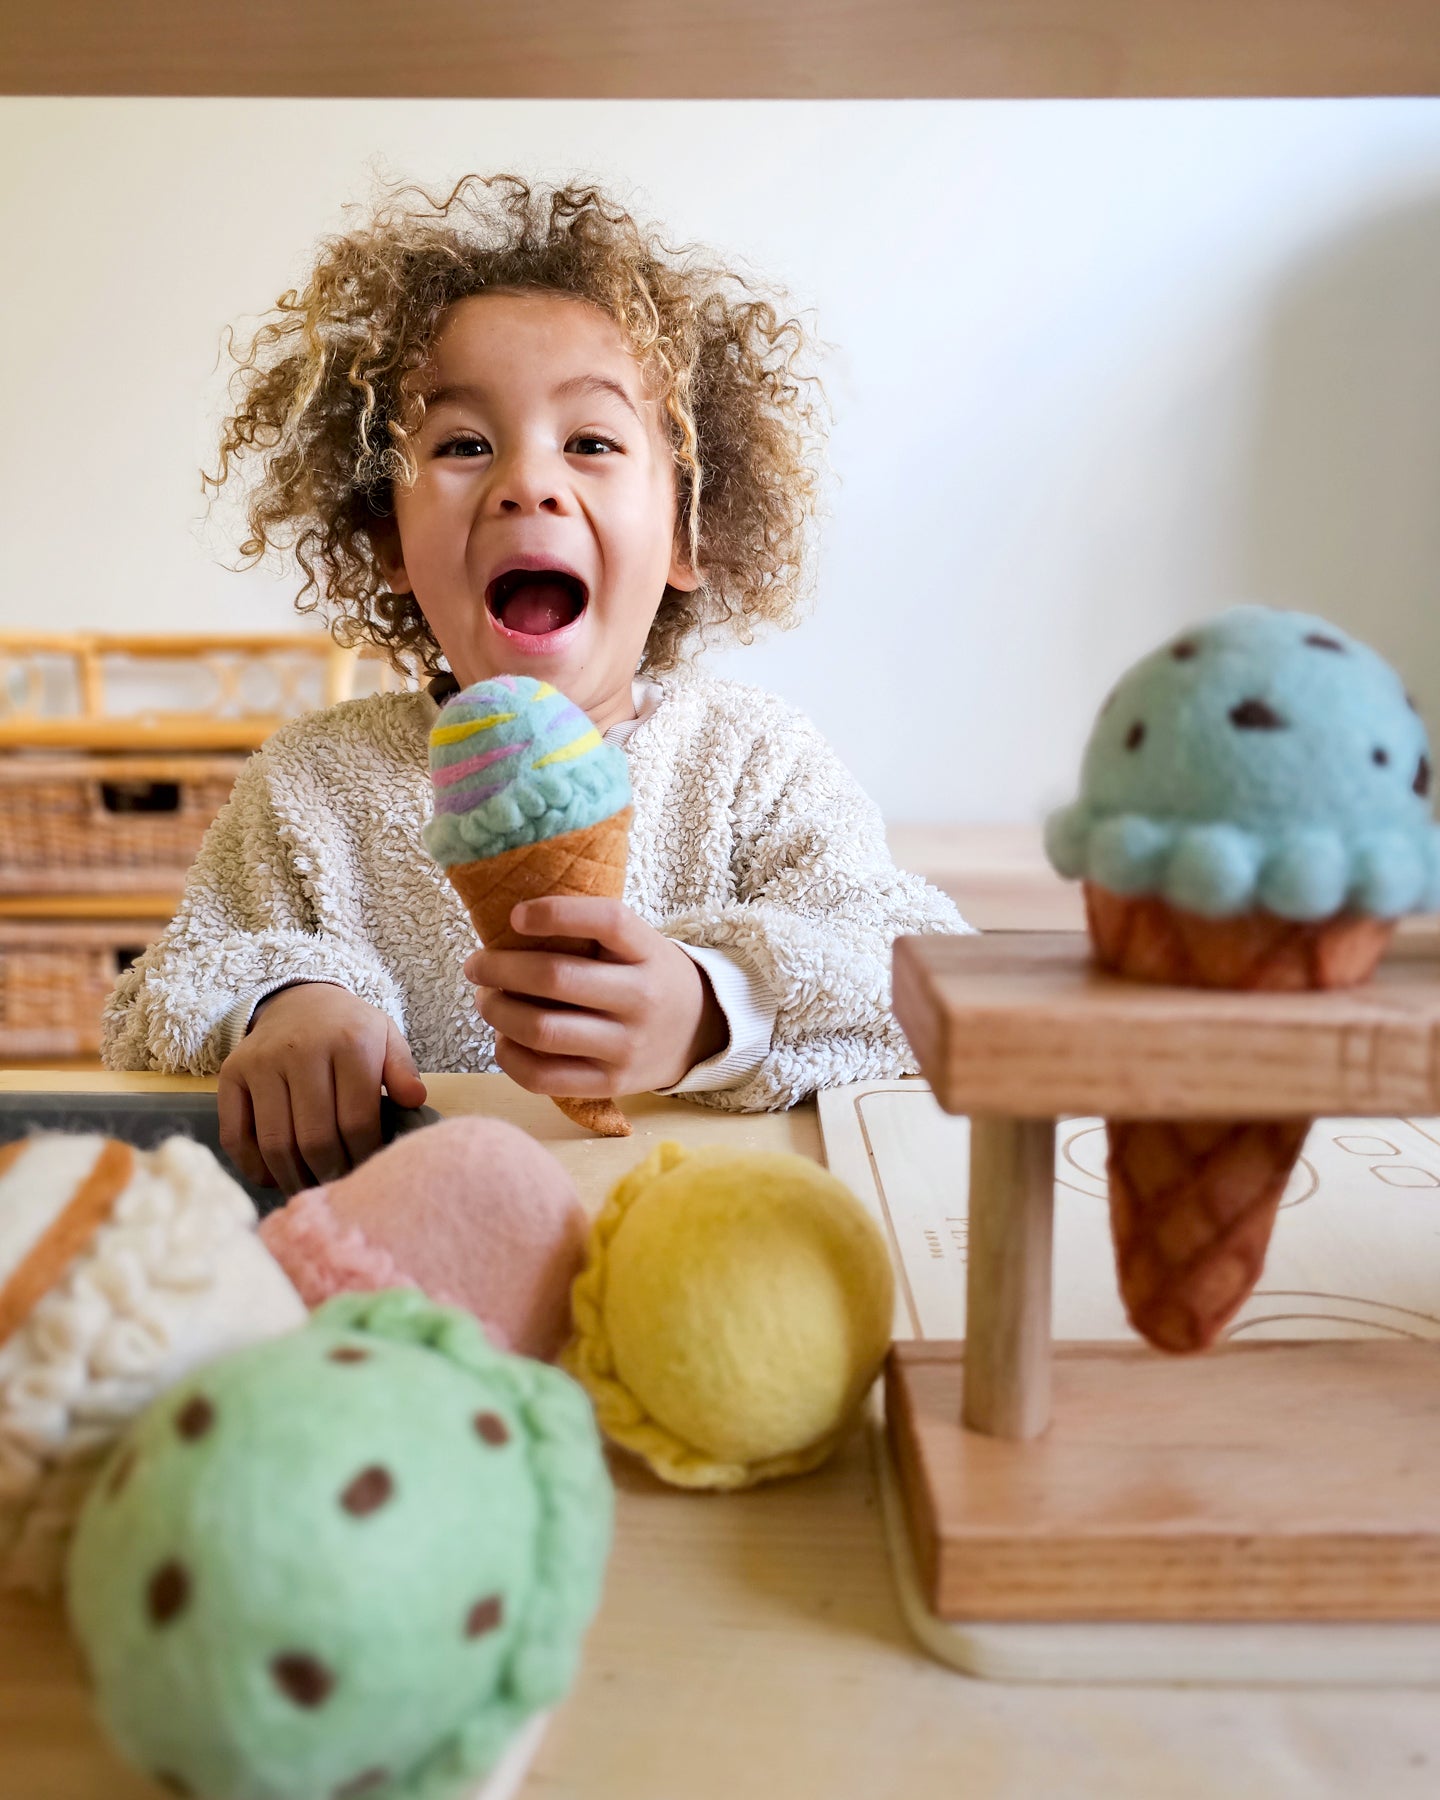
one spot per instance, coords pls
(463, 445)
(589, 443)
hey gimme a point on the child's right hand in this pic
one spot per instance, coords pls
(299, 1096)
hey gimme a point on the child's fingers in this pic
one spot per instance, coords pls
(564, 980)
(609, 923)
(274, 1130)
(398, 1072)
(237, 1130)
(553, 1074)
(313, 1114)
(357, 1101)
(550, 1031)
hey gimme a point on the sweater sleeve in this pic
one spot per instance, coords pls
(818, 902)
(265, 904)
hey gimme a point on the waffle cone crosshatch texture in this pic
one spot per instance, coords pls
(1110, 1481)
(589, 862)
(1147, 939)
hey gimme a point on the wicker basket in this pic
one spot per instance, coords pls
(55, 977)
(74, 824)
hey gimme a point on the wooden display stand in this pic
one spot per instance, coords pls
(1270, 1481)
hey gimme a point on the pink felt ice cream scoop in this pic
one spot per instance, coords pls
(472, 1211)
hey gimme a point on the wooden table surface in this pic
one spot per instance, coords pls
(750, 1647)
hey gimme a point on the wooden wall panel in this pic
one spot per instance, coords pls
(721, 48)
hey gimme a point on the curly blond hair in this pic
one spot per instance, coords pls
(320, 397)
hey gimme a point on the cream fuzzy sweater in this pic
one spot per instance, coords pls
(753, 847)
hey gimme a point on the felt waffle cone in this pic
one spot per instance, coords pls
(1192, 1206)
(588, 861)
(1193, 1202)
(1147, 939)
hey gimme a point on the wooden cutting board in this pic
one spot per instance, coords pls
(1356, 1250)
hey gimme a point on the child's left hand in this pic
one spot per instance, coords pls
(640, 1016)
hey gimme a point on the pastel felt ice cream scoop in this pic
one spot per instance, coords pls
(352, 1562)
(120, 1270)
(734, 1310)
(1254, 813)
(529, 801)
(472, 1211)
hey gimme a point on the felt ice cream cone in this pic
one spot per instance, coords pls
(1253, 816)
(1147, 939)
(1192, 1206)
(590, 862)
(529, 802)
(1193, 1202)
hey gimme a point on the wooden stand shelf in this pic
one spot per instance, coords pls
(1264, 1482)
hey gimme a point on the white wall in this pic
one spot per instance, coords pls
(1100, 369)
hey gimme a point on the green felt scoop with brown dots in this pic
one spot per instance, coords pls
(348, 1562)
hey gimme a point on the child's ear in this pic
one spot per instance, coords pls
(385, 541)
(683, 575)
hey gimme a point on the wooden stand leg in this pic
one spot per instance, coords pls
(1007, 1304)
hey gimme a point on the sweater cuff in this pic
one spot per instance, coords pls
(749, 1008)
(235, 1023)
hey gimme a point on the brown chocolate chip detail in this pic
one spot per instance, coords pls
(195, 1418)
(349, 1353)
(122, 1472)
(172, 1784)
(1422, 777)
(368, 1492)
(484, 1615)
(492, 1428)
(1380, 758)
(1256, 715)
(362, 1784)
(1135, 736)
(1318, 641)
(1185, 650)
(303, 1679)
(168, 1593)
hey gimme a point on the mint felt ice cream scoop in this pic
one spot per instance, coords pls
(1254, 814)
(351, 1562)
(514, 762)
(1262, 760)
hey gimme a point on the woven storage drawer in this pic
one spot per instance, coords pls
(55, 976)
(124, 824)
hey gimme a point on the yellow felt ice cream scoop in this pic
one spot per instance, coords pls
(733, 1311)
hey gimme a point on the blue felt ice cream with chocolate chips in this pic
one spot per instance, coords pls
(1264, 767)
(1254, 813)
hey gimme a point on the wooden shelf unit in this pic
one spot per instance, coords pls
(102, 809)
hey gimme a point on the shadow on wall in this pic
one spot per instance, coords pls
(1345, 496)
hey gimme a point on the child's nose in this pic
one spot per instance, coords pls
(524, 482)
(542, 503)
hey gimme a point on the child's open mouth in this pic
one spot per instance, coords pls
(533, 607)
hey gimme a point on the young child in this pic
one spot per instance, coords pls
(512, 432)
